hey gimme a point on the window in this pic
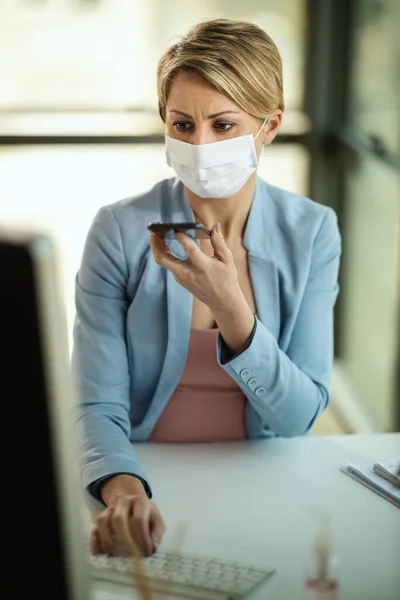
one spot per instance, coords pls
(375, 72)
(86, 67)
(371, 288)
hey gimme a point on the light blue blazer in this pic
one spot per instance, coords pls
(132, 324)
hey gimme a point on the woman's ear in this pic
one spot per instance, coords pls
(272, 127)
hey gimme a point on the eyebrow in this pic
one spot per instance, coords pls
(213, 116)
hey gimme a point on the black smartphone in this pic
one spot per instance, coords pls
(161, 229)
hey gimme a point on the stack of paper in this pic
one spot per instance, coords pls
(389, 469)
(383, 477)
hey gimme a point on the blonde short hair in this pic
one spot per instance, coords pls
(239, 59)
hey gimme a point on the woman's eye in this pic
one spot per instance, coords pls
(223, 126)
(182, 126)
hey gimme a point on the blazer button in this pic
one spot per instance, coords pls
(252, 383)
(260, 391)
(244, 373)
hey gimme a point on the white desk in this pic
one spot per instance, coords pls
(247, 501)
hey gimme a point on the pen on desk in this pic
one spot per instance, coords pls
(140, 574)
(180, 534)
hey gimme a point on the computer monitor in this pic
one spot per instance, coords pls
(42, 517)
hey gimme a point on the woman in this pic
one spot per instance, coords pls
(215, 339)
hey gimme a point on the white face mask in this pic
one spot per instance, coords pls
(215, 170)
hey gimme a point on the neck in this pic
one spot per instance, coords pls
(231, 212)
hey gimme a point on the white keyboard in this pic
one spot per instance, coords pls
(186, 575)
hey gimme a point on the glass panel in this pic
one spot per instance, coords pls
(70, 183)
(375, 73)
(371, 287)
(102, 56)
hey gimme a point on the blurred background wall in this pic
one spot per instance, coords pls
(79, 128)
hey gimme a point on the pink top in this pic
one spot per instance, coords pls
(207, 404)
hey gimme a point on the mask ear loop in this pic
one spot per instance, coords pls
(259, 131)
(261, 128)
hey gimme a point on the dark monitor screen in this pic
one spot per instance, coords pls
(41, 527)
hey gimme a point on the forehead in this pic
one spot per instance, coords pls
(192, 89)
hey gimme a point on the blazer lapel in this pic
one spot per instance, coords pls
(179, 307)
(265, 283)
(262, 266)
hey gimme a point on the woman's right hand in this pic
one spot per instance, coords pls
(130, 522)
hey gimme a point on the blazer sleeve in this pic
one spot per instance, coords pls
(99, 361)
(288, 390)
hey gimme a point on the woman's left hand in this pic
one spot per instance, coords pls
(212, 279)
